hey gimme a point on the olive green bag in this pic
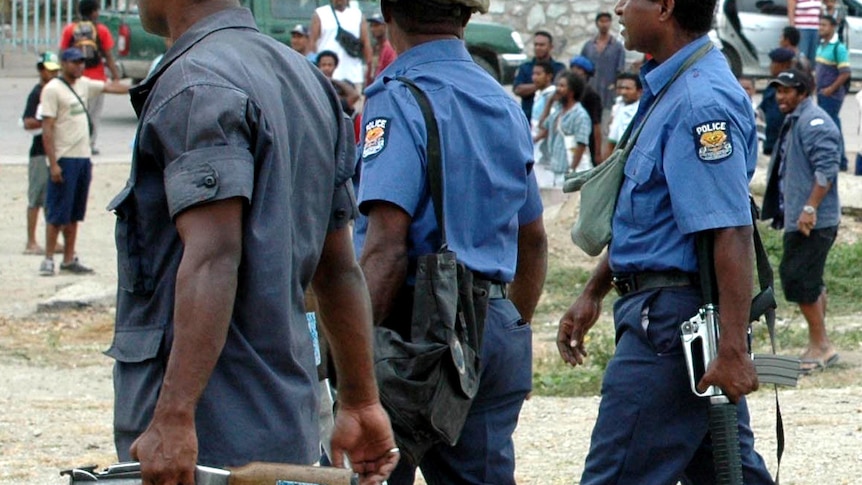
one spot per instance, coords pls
(600, 186)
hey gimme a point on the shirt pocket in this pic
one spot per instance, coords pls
(134, 265)
(635, 205)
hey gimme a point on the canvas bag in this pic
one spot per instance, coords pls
(85, 37)
(349, 42)
(600, 186)
(427, 382)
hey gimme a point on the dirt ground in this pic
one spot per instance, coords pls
(56, 394)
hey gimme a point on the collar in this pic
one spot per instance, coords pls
(229, 18)
(656, 76)
(433, 51)
(833, 40)
(804, 105)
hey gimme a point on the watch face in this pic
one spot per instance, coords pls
(808, 209)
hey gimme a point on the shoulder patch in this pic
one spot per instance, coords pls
(816, 122)
(376, 137)
(712, 141)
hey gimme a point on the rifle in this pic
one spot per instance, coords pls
(252, 474)
(700, 340)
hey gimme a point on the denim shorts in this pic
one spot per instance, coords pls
(66, 202)
(803, 263)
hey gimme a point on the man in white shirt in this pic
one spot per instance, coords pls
(543, 79)
(325, 24)
(630, 89)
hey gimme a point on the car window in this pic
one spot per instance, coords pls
(854, 8)
(293, 9)
(767, 7)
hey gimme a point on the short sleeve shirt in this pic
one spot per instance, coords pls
(832, 59)
(575, 125)
(71, 129)
(525, 76)
(621, 121)
(30, 110)
(690, 167)
(209, 130)
(489, 187)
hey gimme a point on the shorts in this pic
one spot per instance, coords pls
(38, 176)
(803, 263)
(66, 202)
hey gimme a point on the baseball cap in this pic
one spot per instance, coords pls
(49, 61)
(300, 29)
(72, 54)
(792, 78)
(480, 6)
(781, 54)
(583, 63)
(376, 19)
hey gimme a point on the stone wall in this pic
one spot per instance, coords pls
(571, 22)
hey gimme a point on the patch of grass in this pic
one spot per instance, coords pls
(553, 377)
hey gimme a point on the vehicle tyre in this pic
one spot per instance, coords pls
(733, 60)
(487, 66)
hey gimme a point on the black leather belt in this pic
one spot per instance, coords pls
(626, 283)
(497, 291)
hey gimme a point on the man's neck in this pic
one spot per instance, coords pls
(69, 79)
(546, 58)
(184, 14)
(603, 37)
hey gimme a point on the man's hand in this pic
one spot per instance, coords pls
(365, 436)
(733, 373)
(806, 223)
(56, 173)
(574, 325)
(827, 91)
(168, 451)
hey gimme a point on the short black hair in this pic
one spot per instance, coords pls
(694, 16)
(576, 83)
(545, 33)
(601, 15)
(792, 35)
(545, 66)
(323, 54)
(87, 7)
(427, 17)
(829, 18)
(632, 76)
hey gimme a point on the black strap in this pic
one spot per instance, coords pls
(434, 168)
(337, 23)
(83, 105)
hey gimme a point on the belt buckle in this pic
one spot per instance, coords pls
(624, 284)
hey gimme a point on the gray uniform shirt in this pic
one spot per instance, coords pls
(231, 113)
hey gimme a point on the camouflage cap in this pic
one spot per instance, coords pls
(480, 6)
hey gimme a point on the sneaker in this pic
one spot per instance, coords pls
(74, 267)
(47, 267)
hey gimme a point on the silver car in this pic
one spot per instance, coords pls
(749, 29)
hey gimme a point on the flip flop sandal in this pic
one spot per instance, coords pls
(807, 366)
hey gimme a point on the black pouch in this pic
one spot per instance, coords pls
(351, 44)
(428, 382)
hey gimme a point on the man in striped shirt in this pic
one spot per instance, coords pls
(805, 16)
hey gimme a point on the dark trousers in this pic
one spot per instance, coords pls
(485, 452)
(651, 428)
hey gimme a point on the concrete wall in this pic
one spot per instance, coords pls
(571, 22)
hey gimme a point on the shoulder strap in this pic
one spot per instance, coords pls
(434, 156)
(335, 16)
(83, 105)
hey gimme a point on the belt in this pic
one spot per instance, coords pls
(626, 283)
(497, 291)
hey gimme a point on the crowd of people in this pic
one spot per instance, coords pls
(231, 216)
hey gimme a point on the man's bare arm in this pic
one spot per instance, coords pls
(206, 287)
(384, 256)
(116, 87)
(112, 65)
(314, 33)
(525, 90)
(532, 268)
(48, 135)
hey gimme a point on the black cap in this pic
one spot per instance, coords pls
(792, 78)
(781, 54)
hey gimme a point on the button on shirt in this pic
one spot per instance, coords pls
(489, 187)
(210, 130)
(690, 168)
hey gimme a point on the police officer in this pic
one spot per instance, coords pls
(492, 213)
(217, 240)
(651, 428)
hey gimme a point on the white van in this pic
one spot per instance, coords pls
(749, 29)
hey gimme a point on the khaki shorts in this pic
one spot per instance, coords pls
(38, 175)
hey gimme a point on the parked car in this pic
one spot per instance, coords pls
(749, 29)
(495, 47)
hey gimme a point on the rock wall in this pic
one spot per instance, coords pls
(571, 22)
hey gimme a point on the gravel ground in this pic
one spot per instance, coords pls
(56, 397)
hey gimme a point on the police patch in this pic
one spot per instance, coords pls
(376, 137)
(712, 141)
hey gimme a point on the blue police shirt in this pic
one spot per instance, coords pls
(690, 168)
(490, 188)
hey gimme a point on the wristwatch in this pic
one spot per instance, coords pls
(809, 209)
